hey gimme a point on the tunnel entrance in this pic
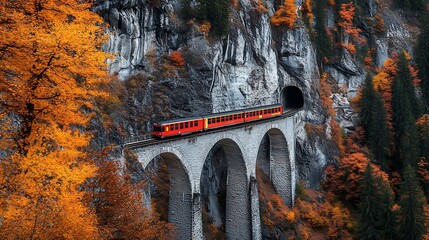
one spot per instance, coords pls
(292, 97)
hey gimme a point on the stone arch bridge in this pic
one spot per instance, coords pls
(268, 143)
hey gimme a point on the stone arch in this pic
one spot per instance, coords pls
(274, 160)
(225, 189)
(292, 97)
(180, 193)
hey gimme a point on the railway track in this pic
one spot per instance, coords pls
(147, 141)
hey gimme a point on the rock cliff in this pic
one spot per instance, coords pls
(247, 67)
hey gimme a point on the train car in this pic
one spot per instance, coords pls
(218, 120)
(175, 127)
(257, 113)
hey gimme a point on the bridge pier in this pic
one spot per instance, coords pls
(254, 208)
(197, 223)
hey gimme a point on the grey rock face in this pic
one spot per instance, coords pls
(248, 67)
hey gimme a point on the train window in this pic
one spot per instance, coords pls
(181, 126)
(269, 110)
(247, 114)
(230, 117)
(223, 119)
(218, 119)
(196, 123)
(235, 116)
(186, 125)
(242, 115)
(209, 121)
(163, 129)
(265, 111)
(176, 126)
(238, 116)
(172, 127)
(191, 124)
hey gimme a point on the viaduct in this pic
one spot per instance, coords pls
(269, 144)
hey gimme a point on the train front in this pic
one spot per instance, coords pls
(157, 130)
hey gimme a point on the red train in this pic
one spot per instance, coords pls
(185, 126)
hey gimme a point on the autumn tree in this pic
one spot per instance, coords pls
(51, 67)
(285, 15)
(177, 59)
(119, 204)
(348, 28)
(345, 180)
(411, 219)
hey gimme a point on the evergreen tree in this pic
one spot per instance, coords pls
(411, 215)
(373, 120)
(422, 58)
(406, 108)
(320, 37)
(388, 215)
(370, 225)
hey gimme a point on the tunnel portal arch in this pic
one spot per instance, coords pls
(292, 97)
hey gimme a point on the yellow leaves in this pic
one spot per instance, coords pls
(52, 68)
(285, 15)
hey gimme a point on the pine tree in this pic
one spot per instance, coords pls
(320, 37)
(217, 12)
(373, 120)
(411, 217)
(371, 222)
(406, 109)
(388, 215)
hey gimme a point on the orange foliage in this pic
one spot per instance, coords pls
(307, 9)
(350, 47)
(331, 2)
(120, 205)
(423, 170)
(235, 3)
(368, 59)
(51, 69)
(379, 23)
(347, 14)
(325, 97)
(274, 213)
(285, 15)
(177, 59)
(345, 180)
(335, 220)
(205, 28)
